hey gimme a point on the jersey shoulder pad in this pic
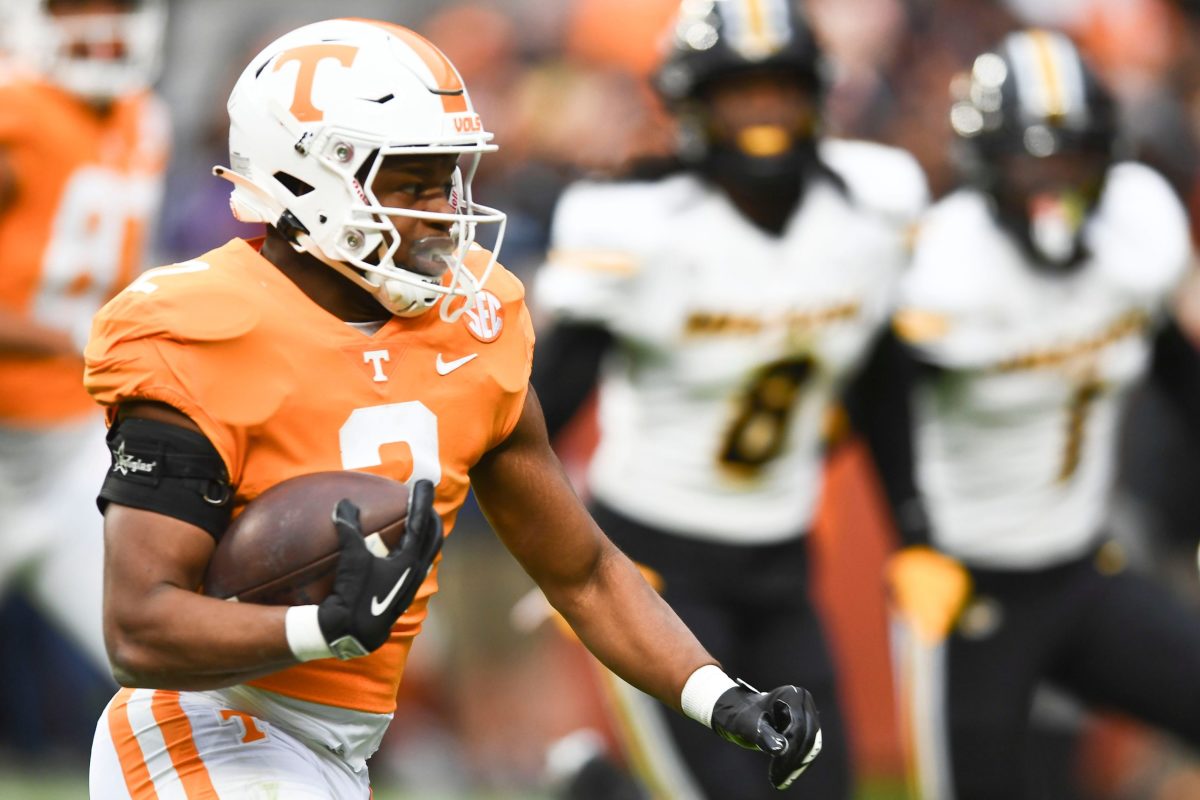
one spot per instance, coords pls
(196, 336)
(194, 301)
(1140, 232)
(606, 221)
(501, 282)
(886, 179)
(25, 106)
(952, 270)
(507, 332)
(602, 236)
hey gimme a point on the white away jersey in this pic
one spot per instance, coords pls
(1016, 434)
(734, 343)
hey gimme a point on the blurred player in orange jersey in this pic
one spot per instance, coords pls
(82, 149)
(367, 331)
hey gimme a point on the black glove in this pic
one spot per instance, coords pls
(370, 593)
(783, 722)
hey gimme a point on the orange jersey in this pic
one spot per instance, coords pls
(86, 187)
(282, 388)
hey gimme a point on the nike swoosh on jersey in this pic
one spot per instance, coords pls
(379, 606)
(446, 367)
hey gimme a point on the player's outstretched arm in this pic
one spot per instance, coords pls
(530, 502)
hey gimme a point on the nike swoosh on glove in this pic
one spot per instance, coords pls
(782, 722)
(370, 593)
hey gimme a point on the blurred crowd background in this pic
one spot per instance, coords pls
(563, 85)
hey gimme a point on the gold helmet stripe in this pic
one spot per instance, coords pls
(1051, 74)
(757, 28)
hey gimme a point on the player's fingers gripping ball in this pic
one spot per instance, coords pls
(347, 575)
(369, 592)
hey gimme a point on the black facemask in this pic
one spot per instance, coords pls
(777, 183)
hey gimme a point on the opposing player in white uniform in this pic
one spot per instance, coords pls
(1036, 301)
(83, 145)
(726, 305)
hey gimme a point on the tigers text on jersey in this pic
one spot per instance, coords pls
(283, 388)
(1016, 435)
(734, 343)
(87, 187)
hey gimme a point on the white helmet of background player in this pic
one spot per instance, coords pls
(96, 49)
(311, 120)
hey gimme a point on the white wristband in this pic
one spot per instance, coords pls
(701, 692)
(304, 636)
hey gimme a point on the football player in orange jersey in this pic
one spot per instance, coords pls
(82, 149)
(365, 332)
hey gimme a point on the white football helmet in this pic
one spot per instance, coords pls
(64, 47)
(328, 102)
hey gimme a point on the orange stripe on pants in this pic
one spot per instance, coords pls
(177, 733)
(129, 753)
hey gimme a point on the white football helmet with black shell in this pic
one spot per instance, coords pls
(311, 120)
(97, 55)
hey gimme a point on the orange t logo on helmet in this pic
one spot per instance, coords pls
(308, 57)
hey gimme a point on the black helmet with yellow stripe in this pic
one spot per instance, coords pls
(713, 39)
(1037, 132)
(744, 79)
(1034, 94)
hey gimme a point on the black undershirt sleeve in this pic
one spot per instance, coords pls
(879, 403)
(566, 365)
(1175, 368)
(167, 469)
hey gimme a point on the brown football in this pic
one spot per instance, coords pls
(283, 548)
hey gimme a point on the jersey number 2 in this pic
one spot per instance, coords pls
(367, 430)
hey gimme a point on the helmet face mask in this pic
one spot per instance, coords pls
(720, 49)
(1037, 132)
(314, 119)
(96, 50)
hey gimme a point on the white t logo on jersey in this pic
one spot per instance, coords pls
(376, 358)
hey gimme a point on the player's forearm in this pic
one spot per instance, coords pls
(631, 630)
(176, 639)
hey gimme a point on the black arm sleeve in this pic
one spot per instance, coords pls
(167, 469)
(879, 402)
(1175, 368)
(566, 364)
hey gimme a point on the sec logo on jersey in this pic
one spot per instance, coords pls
(485, 320)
